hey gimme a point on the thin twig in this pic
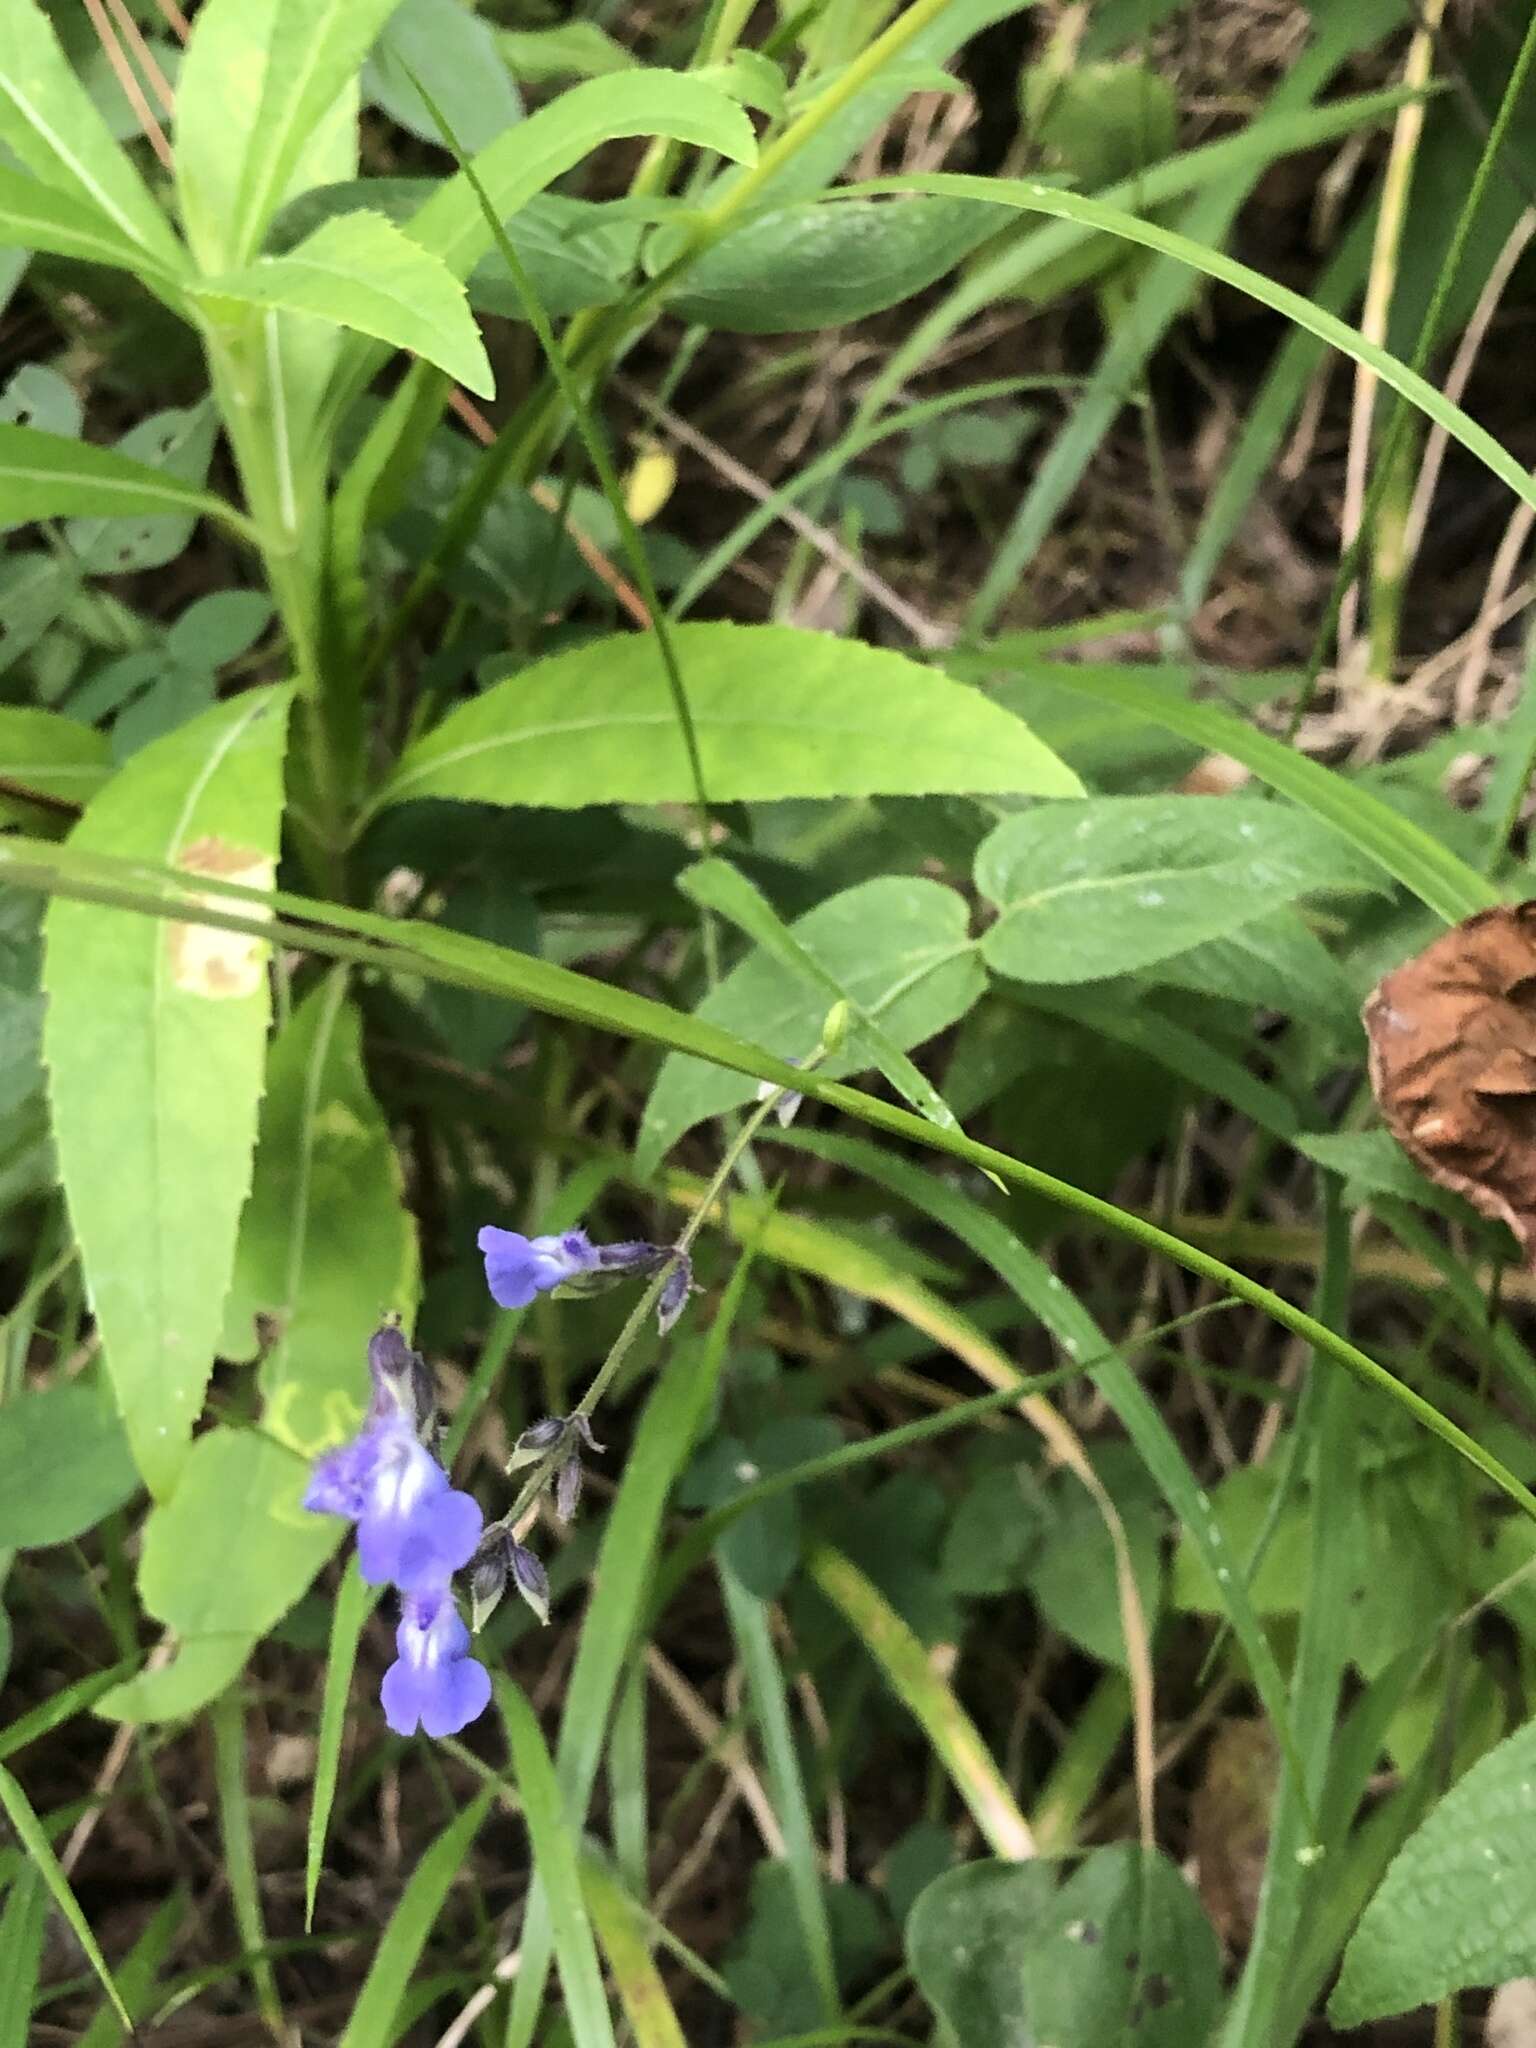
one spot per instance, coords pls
(124, 73)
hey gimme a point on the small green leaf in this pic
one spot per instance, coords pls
(820, 263)
(1436, 875)
(898, 945)
(720, 886)
(45, 476)
(360, 272)
(47, 118)
(1117, 883)
(454, 53)
(779, 712)
(1121, 1956)
(155, 1039)
(178, 444)
(64, 1463)
(1457, 1907)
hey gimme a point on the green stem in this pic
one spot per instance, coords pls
(544, 1471)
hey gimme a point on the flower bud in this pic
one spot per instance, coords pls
(675, 1293)
(835, 1030)
(487, 1579)
(529, 1577)
(568, 1488)
(538, 1438)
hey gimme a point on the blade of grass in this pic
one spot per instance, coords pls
(63, 1706)
(354, 1603)
(671, 1423)
(748, 1618)
(956, 1741)
(628, 1802)
(720, 887)
(34, 1840)
(1269, 416)
(636, 1978)
(1029, 197)
(1065, 1317)
(1321, 1654)
(140, 1973)
(553, 1844)
(23, 1924)
(229, 1765)
(410, 1925)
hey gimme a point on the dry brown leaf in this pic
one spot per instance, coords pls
(1453, 1063)
(1229, 1825)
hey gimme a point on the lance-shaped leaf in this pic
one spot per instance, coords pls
(49, 120)
(326, 1246)
(361, 272)
(155, 1039)
(35, 216)
(48, 476)
(779, 712)
(260, 79)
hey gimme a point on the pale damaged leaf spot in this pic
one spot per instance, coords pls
(207, 960)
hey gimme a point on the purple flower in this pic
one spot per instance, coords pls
(517, 1267)
(413, 1528)
(434, 1681)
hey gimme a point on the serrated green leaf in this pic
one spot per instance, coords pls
(820, 263)
(47, 118)
(155, 1039)
(359, 272)
(898, 945)
(778, 711)
(326, 1246)
(46, 476)
(64, 1463)
(1457, 1907)
(1117, 883)
(260, 83)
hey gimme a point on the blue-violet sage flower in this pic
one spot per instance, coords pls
(517, 1267)
(413, 1528)
(434, 1681)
